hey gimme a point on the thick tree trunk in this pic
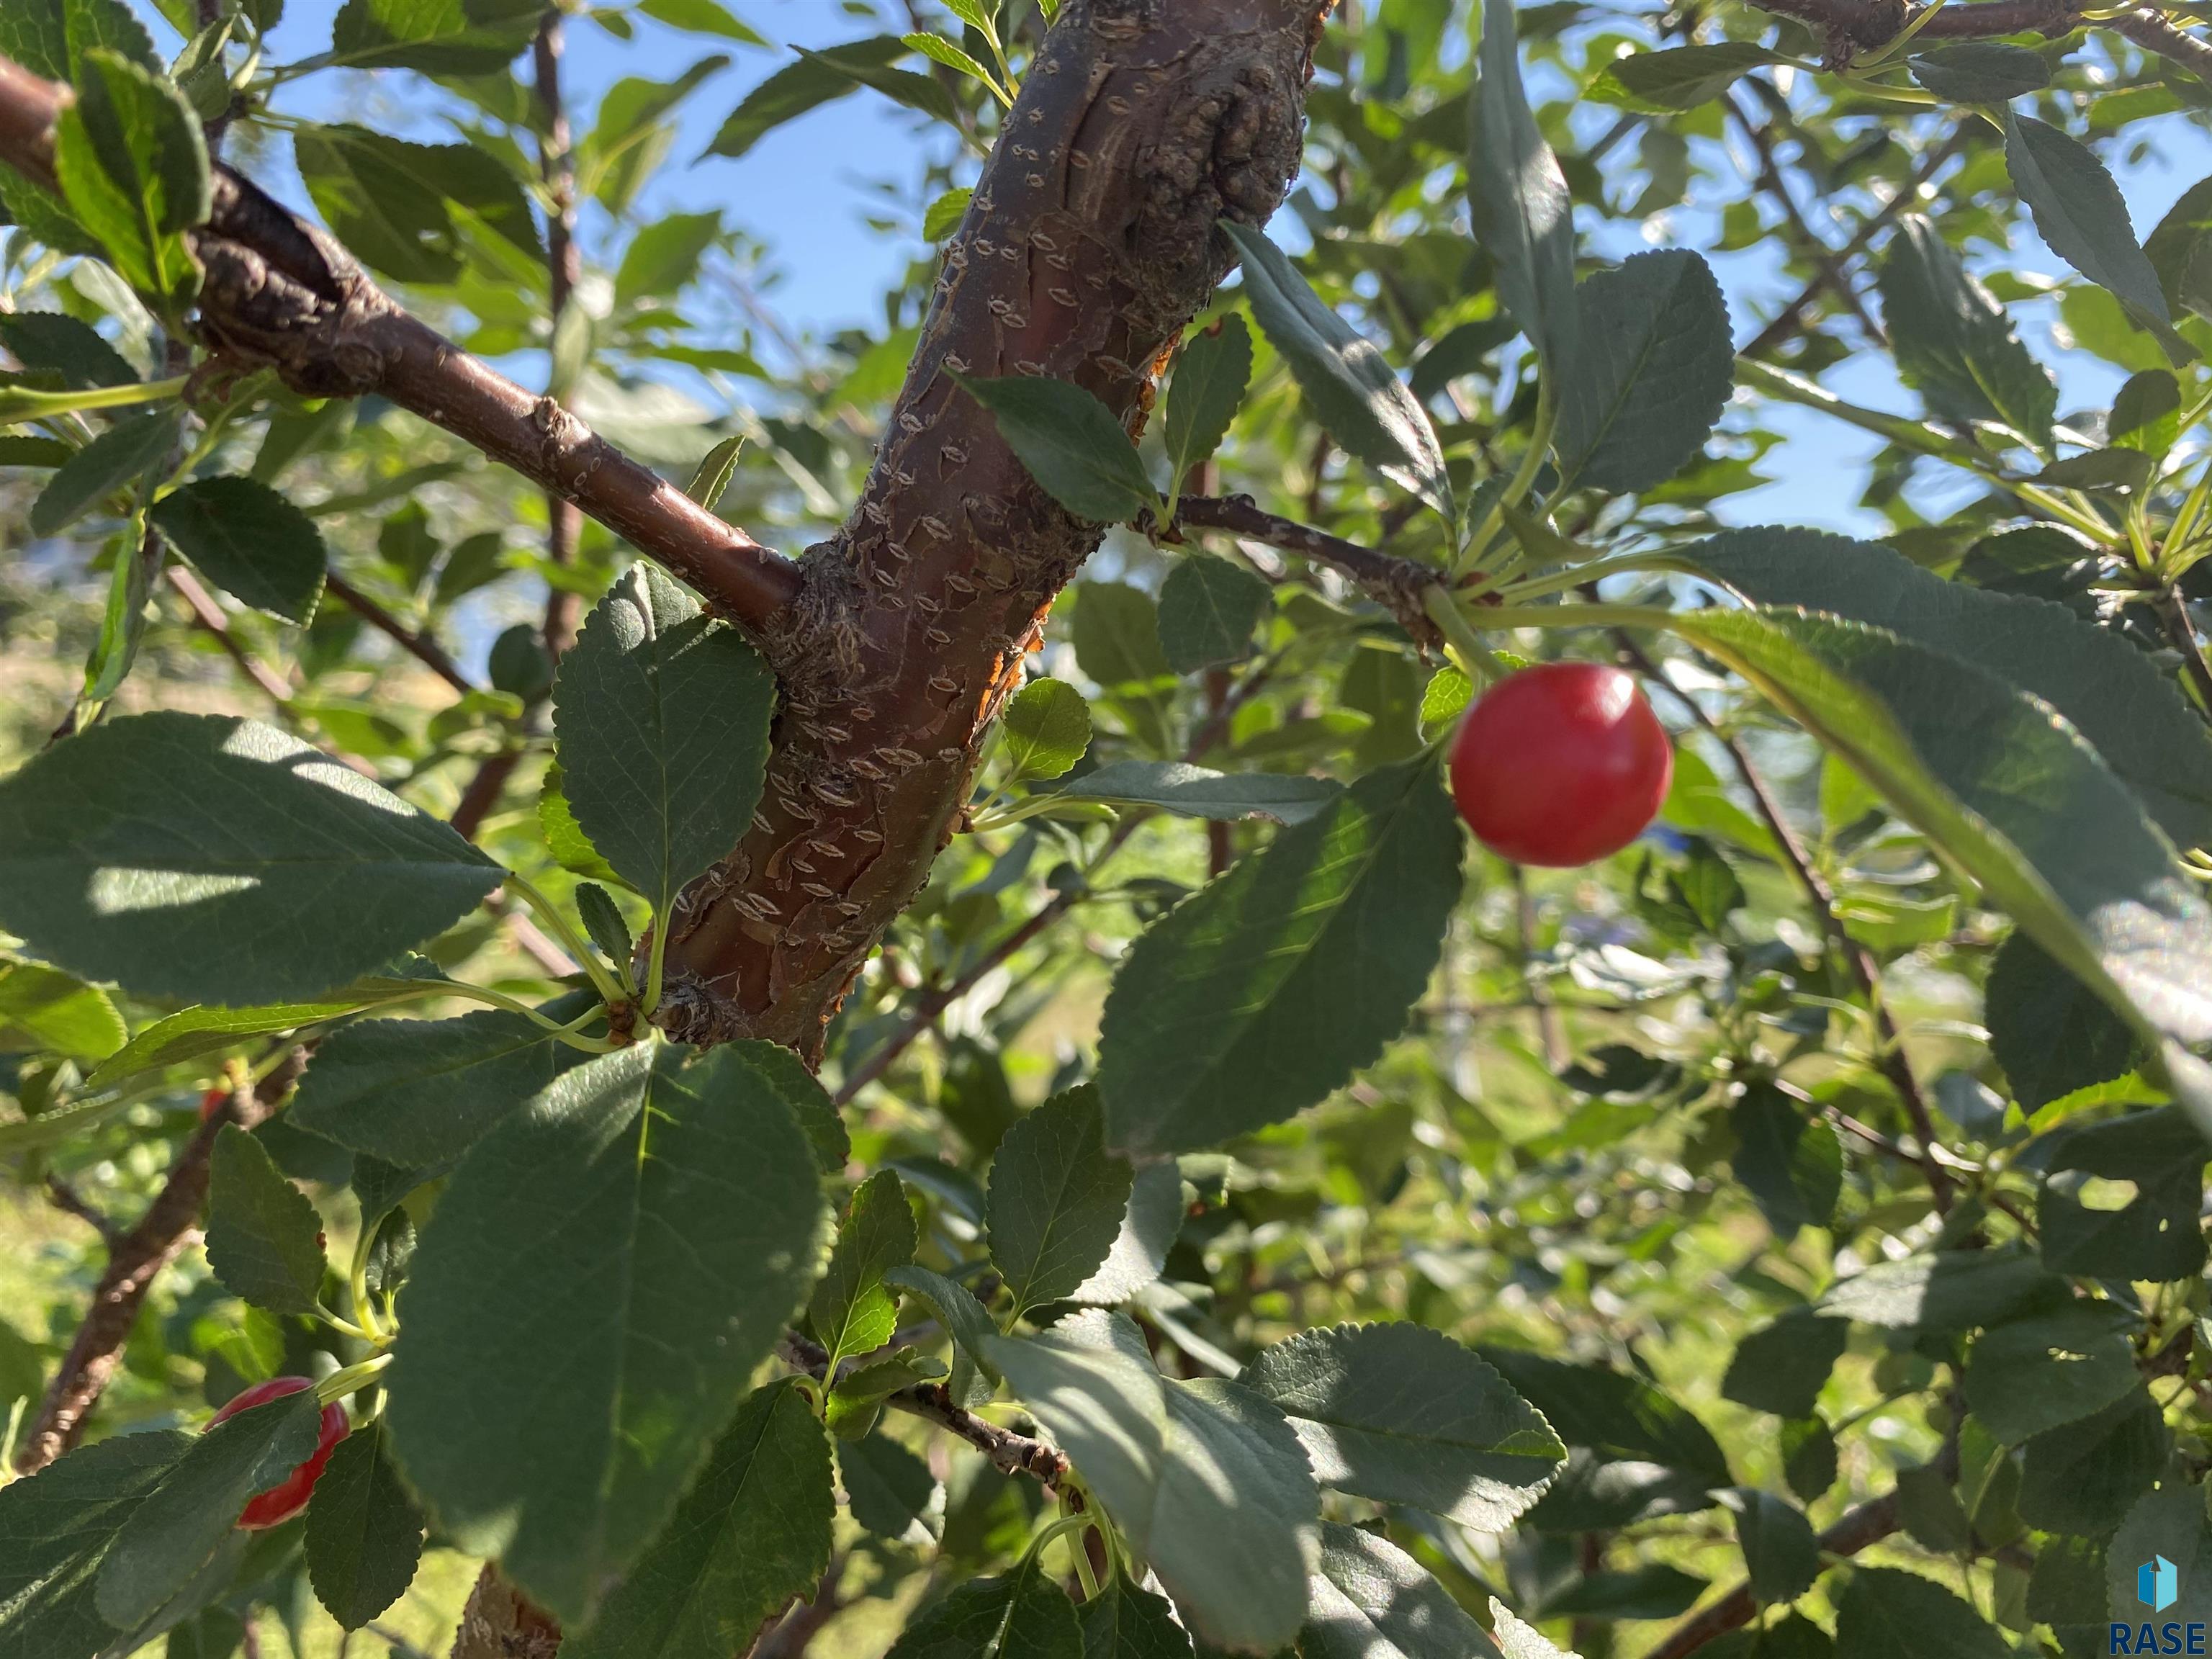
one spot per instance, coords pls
(1090, 244)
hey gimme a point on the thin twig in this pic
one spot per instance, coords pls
(70, 1201)
(1824, 260)
(207, 616)
(1393, 582)
(1868, 1524)
(564, 269)
(417, 644)
(1010, 1453)
(2181, 634)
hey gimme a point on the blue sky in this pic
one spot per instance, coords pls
(808, 190)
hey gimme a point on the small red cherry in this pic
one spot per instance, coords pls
(211, 1103)
(286, 1499)
(1560, 764)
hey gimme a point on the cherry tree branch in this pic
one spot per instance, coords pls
(1393, 582)
(1010, 1453)
(419, 646)
(564, 268)
(282, 295)
(1868, 1524)
(1851, 26)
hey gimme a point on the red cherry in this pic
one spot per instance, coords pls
(281, 1502)
(211, 1103)
(1560, 764)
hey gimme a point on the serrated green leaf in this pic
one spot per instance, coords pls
(1057, 1199)
(1211, 374)
(1127, 1621)
(662, 716)
(752, 1533)
(1354, 392)
(133, 167)
(51, 37)
(1205, 1479)
(1267, 990)
(2168, 1522)
(364, 1532)
(2032, 1375)
(675, 1219)
(715, 472)
(1683, 77)
(1885, 1614)
(418, 1092)
(967, 1321)
(1370, 1600)
(1149, 1228)
(1780, 1554)
(1792, 1163)
(52, 340)
(816, 79)
(175, 854)
(2155, 1235)
(57, 1528)
(2081, 215)
(115, 460)
(437, 37)
(1071, 443)
(1208, 609)
(887, 1488)
(851, 1312)
(418, 212)
(1402, 1414)
(181, 1523)
(1954, 344)
(1523, 216)
(197, 1032)
(1943, 1290)
(265, 1239)
(1516, 1640)
(249, 541)
(565, 839)
(1117, 635)
(1022, 1615)
(1781, 1367)
(2083, 1479)
(1612, 1411)
(1980, 71)
(43, 1009)
(1046, 726)
(1652, 371)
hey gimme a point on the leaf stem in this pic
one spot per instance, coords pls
(515, 1005)
(340, 1384)
(612, 989)
(1524, 475)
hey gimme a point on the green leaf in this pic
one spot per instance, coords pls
(1793, 1163)
(1616, 1413)
(364, 1531)
(1023, 1616)
(1809, 1461)
(1267, 990)
(715, 472)
(564, 838)
(603, 923)
(902, 1368)
(116, 460)
(1651, 1591)
(1354, 392)
(1071, 443)
(662, 716)
(419, 1092)
(1208, 609)
(1780, 1553)
(1211, 374)
(1046, 726)
(1516, 1640)
(1402, 1414)
(2084, 1479)
(58, 1528)
(916, 92)
(2169, 1521)
(664, 257)
(198, 1031)
(887, 1488)
(967, 1321)
(783, 1074)
(419, 212)
(175, 854)
(1781, 1367)
(1683, 77)
(1931, 1512)
(1117, 635)
(752, 1533)
(673, 1220)
(2146, 413)
(1885, 1614)
(265, 1239)
(1943, 1290)
(1372, 1601)
(2081, 215)
(792, 90)
(45, 1009)
(703, 17)
(250, 542)
(2156, 1234)
(1954, 344)
(2035, 1374)
(1198, 792)
(438, 37)
(1523, 216)
(52, 340)
(1127, 1621)
(1652, 368)
(851, 1311)
(945, 214)
(1205, 1479)
(1980, 72)
(1057, 1199)
(171, 1535)
(133, 167)
(2051, 1033)
(1149, 1228)
(2020, 802)
(2138, 721)
(51, 37)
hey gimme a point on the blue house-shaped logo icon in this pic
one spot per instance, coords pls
(2157, 1584)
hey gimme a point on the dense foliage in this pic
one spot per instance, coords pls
(1230, 1210)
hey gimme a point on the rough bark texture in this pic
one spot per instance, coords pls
(498, 1623)
(1090, 245)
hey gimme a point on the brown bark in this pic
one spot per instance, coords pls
(564, 268)
(168, 1227)
(1091, 243)
(498, 1623)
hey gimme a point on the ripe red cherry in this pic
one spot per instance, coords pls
(281, 1502)
(1560, 764)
